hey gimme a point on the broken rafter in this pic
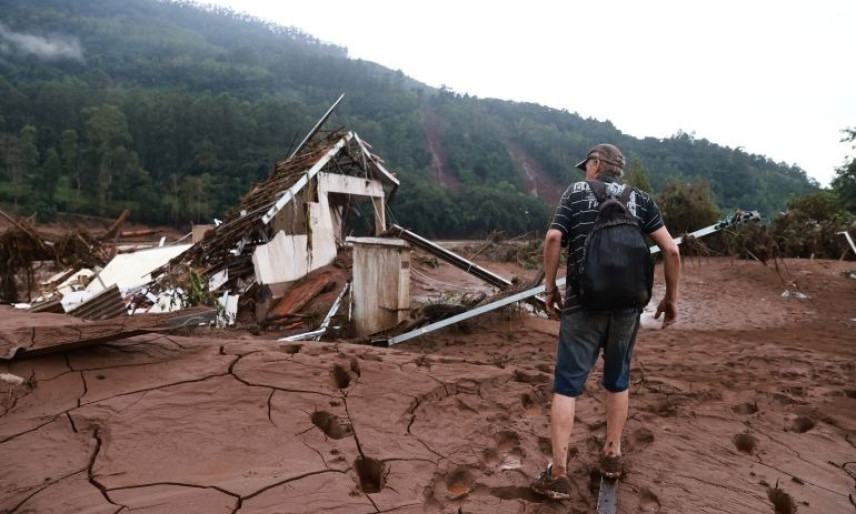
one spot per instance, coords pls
(289, 194)
(458, 261)
(450, 257)
(389, 177)
(316, 128)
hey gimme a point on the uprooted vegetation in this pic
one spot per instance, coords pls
(23, 248)
(811, 228)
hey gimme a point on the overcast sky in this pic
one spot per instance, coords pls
(776, 78)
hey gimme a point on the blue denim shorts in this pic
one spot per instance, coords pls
(581, 336)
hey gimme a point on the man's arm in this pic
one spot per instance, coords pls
(552, 253)
(672, 272)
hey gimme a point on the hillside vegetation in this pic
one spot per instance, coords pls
(172, 111)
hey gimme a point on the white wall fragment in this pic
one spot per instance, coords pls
(218, 279)
(228, 309)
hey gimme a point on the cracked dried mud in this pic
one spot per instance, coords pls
(747, 405)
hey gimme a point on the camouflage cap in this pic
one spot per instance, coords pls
(605, 152)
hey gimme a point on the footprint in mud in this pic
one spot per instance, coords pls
(531, 409)
(507, 454)
(355, 366)
(530, 378)
(783, 503)
(330, 424)
(507, 440)
(745, 443)
(745, 408)
(517, 493)
(801, 425)
(797, 391)
(371, 474)
(459, 483)
(648, 501)
(490, 457)
(641, 438)
(664, 409)
(340, 376)
(290, 349)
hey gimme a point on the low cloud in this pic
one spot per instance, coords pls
(48, 48)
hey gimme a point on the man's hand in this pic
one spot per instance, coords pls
(553, 301)
(670, 308)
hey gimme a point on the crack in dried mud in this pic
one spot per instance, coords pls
(155, 388)
(91, 475)
(226, 492)
(48, 422)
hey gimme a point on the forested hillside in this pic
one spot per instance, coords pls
(173, 111)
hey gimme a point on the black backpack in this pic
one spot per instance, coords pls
(616, 271)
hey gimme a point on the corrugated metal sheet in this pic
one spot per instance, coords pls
(54, 306)
(105, 305)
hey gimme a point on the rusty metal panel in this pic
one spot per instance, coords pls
(107, 304)
(381, 290)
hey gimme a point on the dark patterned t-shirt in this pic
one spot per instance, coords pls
(577, 212)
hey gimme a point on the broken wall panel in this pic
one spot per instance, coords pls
(381, 283)
(285, 259)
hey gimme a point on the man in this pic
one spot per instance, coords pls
(583, 333)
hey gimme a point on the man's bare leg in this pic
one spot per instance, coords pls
(561, 426)
(617, 405)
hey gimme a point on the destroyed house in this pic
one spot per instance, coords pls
(292, 223)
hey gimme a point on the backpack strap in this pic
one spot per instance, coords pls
(625, 195)
(598, 188)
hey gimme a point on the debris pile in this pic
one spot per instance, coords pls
(278, 261)
(25, 251)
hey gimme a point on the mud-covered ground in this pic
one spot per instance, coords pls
(747, 405)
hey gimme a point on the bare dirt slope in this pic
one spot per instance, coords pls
(748, 405)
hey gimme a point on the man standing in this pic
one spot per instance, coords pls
(583, 333)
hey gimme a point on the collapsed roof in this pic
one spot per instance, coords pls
(274, 205)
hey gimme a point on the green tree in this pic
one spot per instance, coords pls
(51, 171)
(106, 124)
(68, 149)
(194, 195)
(19, 157)
(844, 183)
(108, 136)
(636, 176)
(687, 206)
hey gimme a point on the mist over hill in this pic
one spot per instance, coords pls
(172, 111)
